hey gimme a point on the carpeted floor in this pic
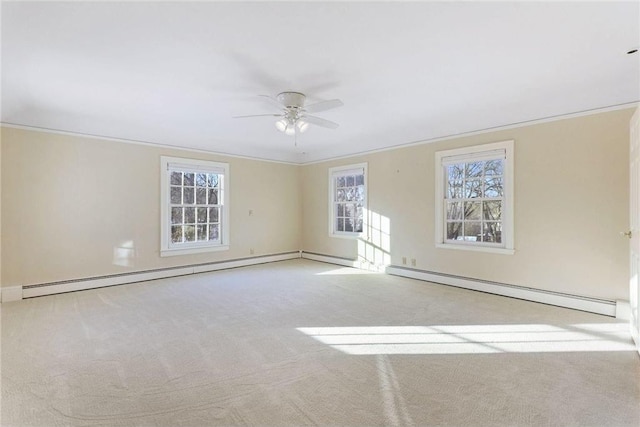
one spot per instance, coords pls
(304, 343)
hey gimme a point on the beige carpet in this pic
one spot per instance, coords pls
(306, 343)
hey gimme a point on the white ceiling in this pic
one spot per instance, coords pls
(175, 73)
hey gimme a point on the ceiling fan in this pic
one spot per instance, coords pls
(294, 116)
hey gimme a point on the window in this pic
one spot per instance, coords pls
(347, 200)
(194, 206)
(474, 198)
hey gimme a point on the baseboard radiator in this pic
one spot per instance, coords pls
(592, 305)
(577, 302)
(14, 293)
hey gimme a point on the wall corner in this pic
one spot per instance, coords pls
(11, 293)
(623, 310)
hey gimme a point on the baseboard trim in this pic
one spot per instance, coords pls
(592, 305)
(42, 289)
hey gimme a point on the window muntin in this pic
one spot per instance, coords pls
(194, 211)
(474, 198)
(347, 200)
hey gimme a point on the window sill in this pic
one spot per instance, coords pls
(502, 251)
(348, 235)
(190, 251)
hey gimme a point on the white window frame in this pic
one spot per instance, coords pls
(167, 164)
(334, 173)
(468, 154)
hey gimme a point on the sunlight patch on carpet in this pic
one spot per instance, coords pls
(474, 339)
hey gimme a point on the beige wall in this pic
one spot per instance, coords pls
(0, 209)
(69, 203)
(571, 202)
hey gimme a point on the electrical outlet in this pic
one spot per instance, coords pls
(404, 260)
(413, 262)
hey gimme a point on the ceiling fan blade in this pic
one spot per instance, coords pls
(323, 106)
(272, 101)
(320, 122)
(258, 115)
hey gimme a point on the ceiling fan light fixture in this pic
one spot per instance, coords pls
(281, 125)
(302, 126)
(290, 129)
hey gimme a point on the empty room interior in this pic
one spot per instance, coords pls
(320, 213)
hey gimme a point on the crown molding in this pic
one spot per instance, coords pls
(329, 158)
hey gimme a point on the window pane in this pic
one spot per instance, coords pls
(348, 224)
(472, 210)
(189, 179)
(360, 196)
(213, 214)
(176, 195)
(359, 225)
(212, 180)
(340, 225)
(349, 210)
(493, 167)
(176, 234)
(359, 179)
(350, 194)
(176, 178)
(473, 188)
(189, 215)
(455, 172)
(188, 194)
(340, 181)
(493, 232)
(202, 215)
(492, 210)
(493, 187)
(176, 215)
(474, 169)
(359, 213)
(201, 196)
(454, 210)
(472, 231)
(454, 190)
(213, 197)
(202, 233)
(454, 230)
(340, 196)
(214, 232)
(340, 209)
(351, 181)
(201, 179)
(189, 233)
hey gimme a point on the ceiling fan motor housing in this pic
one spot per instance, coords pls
(291, 99)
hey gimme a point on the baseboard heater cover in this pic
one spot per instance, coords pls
(330, 259)
(576, 302)
(41, 289)
(592, 305)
